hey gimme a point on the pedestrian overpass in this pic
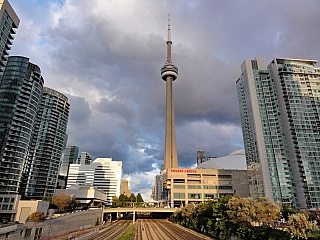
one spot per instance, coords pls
(137, 210)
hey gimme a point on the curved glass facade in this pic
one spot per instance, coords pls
(48, 142)
(20, 96)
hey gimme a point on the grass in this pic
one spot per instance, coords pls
(315, 235)
(128, 235)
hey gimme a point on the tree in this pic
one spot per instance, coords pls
(221, 225)
(74, 203)
(266, 210)
(299, 225)
(187, 213)
(62, 201)
(246, 211)
(287, 210)
(36, 217)
(99, 205)
(115, 202)
(204, 212)
(139, 198)
(132, 198)
(242, 211)
(123, 198)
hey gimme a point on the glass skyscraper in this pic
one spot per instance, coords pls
(8, 25)
(9, 90)
(49, 140)
(84, 158)
(20, 96)
(33, 122)
(69, 156)
(279, 109)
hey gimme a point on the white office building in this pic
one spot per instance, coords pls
(102, 173)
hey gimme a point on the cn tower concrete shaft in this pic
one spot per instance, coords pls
(170, 152)
(169, 73)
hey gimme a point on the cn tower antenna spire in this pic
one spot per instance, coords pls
(169, 30)
(169, 41)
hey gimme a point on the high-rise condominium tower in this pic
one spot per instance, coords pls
(169, 73)
(33, 121)
(49, 140)
(9, 22)
(279, 108)
(20, 97)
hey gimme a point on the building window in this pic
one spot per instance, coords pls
(225, 176)
(38, 231)
(6, 200)
(208, 175)
(194, 195)
(194, 186)
(193, 175)
(10, 207)
(4, 207)
(179, 196)
(179, 186)
(224, 194)
(209, 187)
(210, 196)
(194, 181)
(28, 232)
(225, 187)
(178, 181)
(12, 200)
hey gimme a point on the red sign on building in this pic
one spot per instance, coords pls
(183, 170)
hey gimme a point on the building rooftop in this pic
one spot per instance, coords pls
(234, 161)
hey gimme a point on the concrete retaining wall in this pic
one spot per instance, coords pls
(53, 227)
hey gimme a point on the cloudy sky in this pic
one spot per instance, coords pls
(106, 55)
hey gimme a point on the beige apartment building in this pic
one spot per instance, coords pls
(185, 185)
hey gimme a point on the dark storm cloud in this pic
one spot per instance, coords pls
(114, 107)
(145, 165)
(151, 152)
(108, 59)
(81, 112)
(111, 60)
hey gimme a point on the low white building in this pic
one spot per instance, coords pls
(102, 173)
(26, 207)
(85, 194)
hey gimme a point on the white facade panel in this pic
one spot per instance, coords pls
(103, 173)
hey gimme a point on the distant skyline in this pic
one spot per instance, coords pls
(106, 57)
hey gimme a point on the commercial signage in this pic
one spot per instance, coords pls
(183, 170)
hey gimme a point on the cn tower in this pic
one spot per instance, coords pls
(169, 73)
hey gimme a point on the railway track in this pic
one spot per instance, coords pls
(162, 230)
(111, 231)
(146, 227)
